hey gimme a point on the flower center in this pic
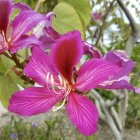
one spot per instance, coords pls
(60, 87)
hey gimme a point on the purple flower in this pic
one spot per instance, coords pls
(121, 79)
(49, 37)
(92, 51)
(14, 35)
(61, 82)
(46, 34)
(13, 136)
(97, 16)
(34, 125)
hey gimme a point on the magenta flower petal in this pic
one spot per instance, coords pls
(3, 44)
(32, 101)
(25, 41)
(47, 42)
(119, 58)
(22, 6)
(121, 79)
(25, 22)
(38, 66)
(94, 72)
(92, 51)
(97, 16)
(118, 84)
(82, 113)
(5, 10)
(66, 53)
(137, 90)
(49, 37)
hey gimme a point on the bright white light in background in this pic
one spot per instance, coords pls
(113, 27)
(132, 10)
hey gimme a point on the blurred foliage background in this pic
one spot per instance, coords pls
(111, 27)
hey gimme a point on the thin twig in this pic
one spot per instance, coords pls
(135, 31)
(16, 60)
(7, 55)
(108, 116)
(129, 16)
(104, 22)
(38, 5)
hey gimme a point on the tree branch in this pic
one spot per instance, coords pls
(135, 31)
(129, 16)
(38, 5)
(104, 22)
(108, 116)
(116, 119)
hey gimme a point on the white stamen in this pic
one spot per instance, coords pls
(47, 80)
(61, 81)
(52, 80)
(65, 86)
(47, 77)
(68, 91)
(59, 107)
(53, 85)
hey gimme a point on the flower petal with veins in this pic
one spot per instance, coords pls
(66, 53)
(33, 100)
(94, 72)
(82, 113)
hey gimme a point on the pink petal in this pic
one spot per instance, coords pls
(3, 44)
(24, 42)
(82, 113)
(5, 10)
(22, 6)
(94, 72)
(117, 84)
(39, 66)
(49, 37)
(32, 101)
(47, 42)
(97, 16)
(120, 59)
(25, 22)
(137, 90)
(66, 53)
(91, 50)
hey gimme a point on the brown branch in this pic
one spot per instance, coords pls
(135, 31)
(118, 97)
(7, 55)
(16, 60)
(22, 76)
(129, 47)
(19, 65)
(129, 16)
(109, 118)
(104, 22)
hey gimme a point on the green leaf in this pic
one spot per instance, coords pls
(66, 19)
(83, 9)
(7, 87)
(8, 80)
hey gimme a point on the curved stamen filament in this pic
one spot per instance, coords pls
(64, 88)
(50, 80)
(61, 81)
(47, 80)
(59, 107)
